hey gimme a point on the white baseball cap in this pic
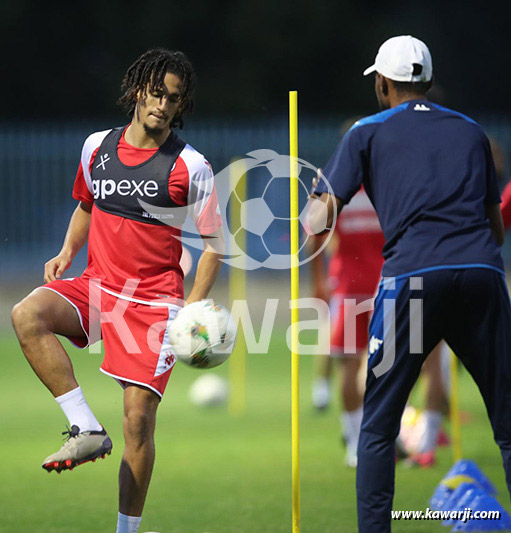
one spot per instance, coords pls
(403, 58)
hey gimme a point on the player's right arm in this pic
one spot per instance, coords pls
(78, 229)
(76, 237)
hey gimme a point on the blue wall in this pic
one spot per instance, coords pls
(38, 165)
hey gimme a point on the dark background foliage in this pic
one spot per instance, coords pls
(65, 60)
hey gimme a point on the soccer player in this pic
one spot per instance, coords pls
(422, 451)
(132, 287)
(430, 176)
(500, 166)
(353, 274)
(506, 206)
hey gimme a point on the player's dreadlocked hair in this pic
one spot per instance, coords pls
(149, 70)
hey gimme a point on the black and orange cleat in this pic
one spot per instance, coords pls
(79, 448)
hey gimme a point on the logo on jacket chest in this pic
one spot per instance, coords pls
(103, 188)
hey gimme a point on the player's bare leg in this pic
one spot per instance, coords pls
(351, 394)
(37, 319)
(436, 405)
(140, 406)
(352, 399)
(321, 383)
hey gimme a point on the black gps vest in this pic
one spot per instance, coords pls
(117, 188)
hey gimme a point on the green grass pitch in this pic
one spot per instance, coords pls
(213, 473)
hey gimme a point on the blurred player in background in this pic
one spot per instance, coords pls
(421, 429)
(133, 285)
(353, 273)
(430, 175)
(500, 168)
(506, 206)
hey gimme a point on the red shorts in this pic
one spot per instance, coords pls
(349, 331)
(135, 334)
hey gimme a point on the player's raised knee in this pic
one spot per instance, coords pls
(19, 315)
(27, 318)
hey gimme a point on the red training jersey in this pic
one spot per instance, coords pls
(120, 249)
(355, 267)
(505, 206)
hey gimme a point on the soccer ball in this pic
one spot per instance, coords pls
(202, 335)
(209, 389)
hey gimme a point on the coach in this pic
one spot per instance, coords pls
(430, 175)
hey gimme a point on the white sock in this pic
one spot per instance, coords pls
(77, 410)
(320, 393)
(128, 524)
(433, 423)
(352, 420)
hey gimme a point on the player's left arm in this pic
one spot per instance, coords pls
(204, 210)
(209, 265)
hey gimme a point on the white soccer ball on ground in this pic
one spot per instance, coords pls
(202, 335)
(209, 389)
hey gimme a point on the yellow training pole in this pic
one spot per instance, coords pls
(455, 410)
(295, 369)
(237, 291)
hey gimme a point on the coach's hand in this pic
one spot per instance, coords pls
(55, 267)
